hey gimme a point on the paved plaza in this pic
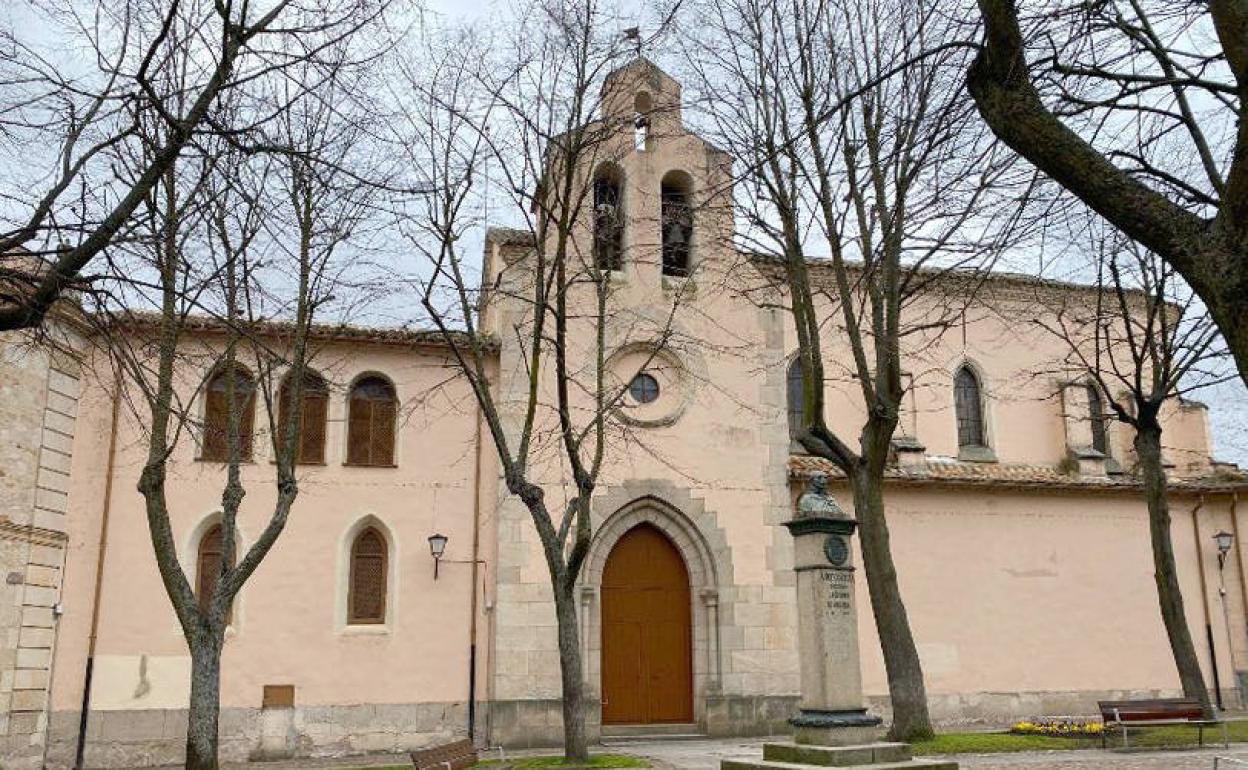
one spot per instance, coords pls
(706, 755)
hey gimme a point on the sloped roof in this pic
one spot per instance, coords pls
(326, 332)
(950, 472)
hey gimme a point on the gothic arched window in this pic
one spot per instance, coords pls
(609, 218)
(366, 599)
(312, 413)
(968, 404)
(1096, 414)
(208, 568)
(796, 398)
(371, 416)
(677, 222)
(217, 404)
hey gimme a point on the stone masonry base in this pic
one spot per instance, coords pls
(143, 738)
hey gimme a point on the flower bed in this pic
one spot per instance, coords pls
(1059, 727)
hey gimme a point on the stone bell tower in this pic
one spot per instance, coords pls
(833, 727)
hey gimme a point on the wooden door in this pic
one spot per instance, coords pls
(647, 634)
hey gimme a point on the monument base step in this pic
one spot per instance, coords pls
(836, 756)
(908, 764)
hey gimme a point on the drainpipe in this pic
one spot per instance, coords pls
(101, 548)
(1204, 604)
(476, 562)
(1239, 558)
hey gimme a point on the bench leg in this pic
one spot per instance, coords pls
(1126, 738)
(1226, 736)
(1200, 740)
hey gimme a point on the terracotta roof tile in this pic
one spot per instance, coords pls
(948, 471)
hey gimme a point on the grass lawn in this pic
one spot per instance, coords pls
(539, 763)
(1152, 737)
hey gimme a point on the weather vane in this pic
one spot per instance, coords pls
(634, 34)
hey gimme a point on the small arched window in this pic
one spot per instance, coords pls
(370, 422)
(208, 568)
(969, 406)
(312, 413)
(642, 104)
(1096, 415)
(366, 599)
(796, 398)
(217, 404)
(608, 218)
(677, 222)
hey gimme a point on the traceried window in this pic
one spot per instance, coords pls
(677, 222)
(796, 398)
(216, 446)
(371, 416)
(1096, 414)
(969, 406)
(208, 568)
(366, 600)
(609, 218)
(312, 413)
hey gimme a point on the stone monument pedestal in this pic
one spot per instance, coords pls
(833, 728)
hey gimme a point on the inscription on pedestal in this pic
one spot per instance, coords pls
(839, 586)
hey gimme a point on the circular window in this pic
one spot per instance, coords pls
(644, 388)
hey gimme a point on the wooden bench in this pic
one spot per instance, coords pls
(1156, 712)
(450, 756)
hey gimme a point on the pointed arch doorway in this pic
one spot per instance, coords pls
(647, 632)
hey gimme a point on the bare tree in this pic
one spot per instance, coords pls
(147, 61)
(238, 252)
(529, 120)
(1141, 345)
(848, 119)
(1135, 107)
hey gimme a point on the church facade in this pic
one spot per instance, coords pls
(1020, 536)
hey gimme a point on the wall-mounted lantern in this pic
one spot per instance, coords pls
(437, 547)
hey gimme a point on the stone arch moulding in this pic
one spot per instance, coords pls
(342, 577)
(701, 542)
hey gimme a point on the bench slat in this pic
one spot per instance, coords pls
(457, 755)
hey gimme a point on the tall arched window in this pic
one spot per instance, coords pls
(609, 217)
(312, 413)
(1096, 414)
(969, 405)
(370, 422)
(366, 599)
(217, 413)
(796, 398)
(677, 222)
(208, 568)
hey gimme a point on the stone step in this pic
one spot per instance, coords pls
(630, 731)
(836, 756)
(909, 764)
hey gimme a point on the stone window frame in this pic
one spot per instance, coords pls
(189, 559)
(984, 452)
(342, 578)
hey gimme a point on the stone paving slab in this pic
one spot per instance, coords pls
(706, 755)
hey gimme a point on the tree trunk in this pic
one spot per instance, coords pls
(575, 744)
(205, 707)
(901, 658)
(1169, 594)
